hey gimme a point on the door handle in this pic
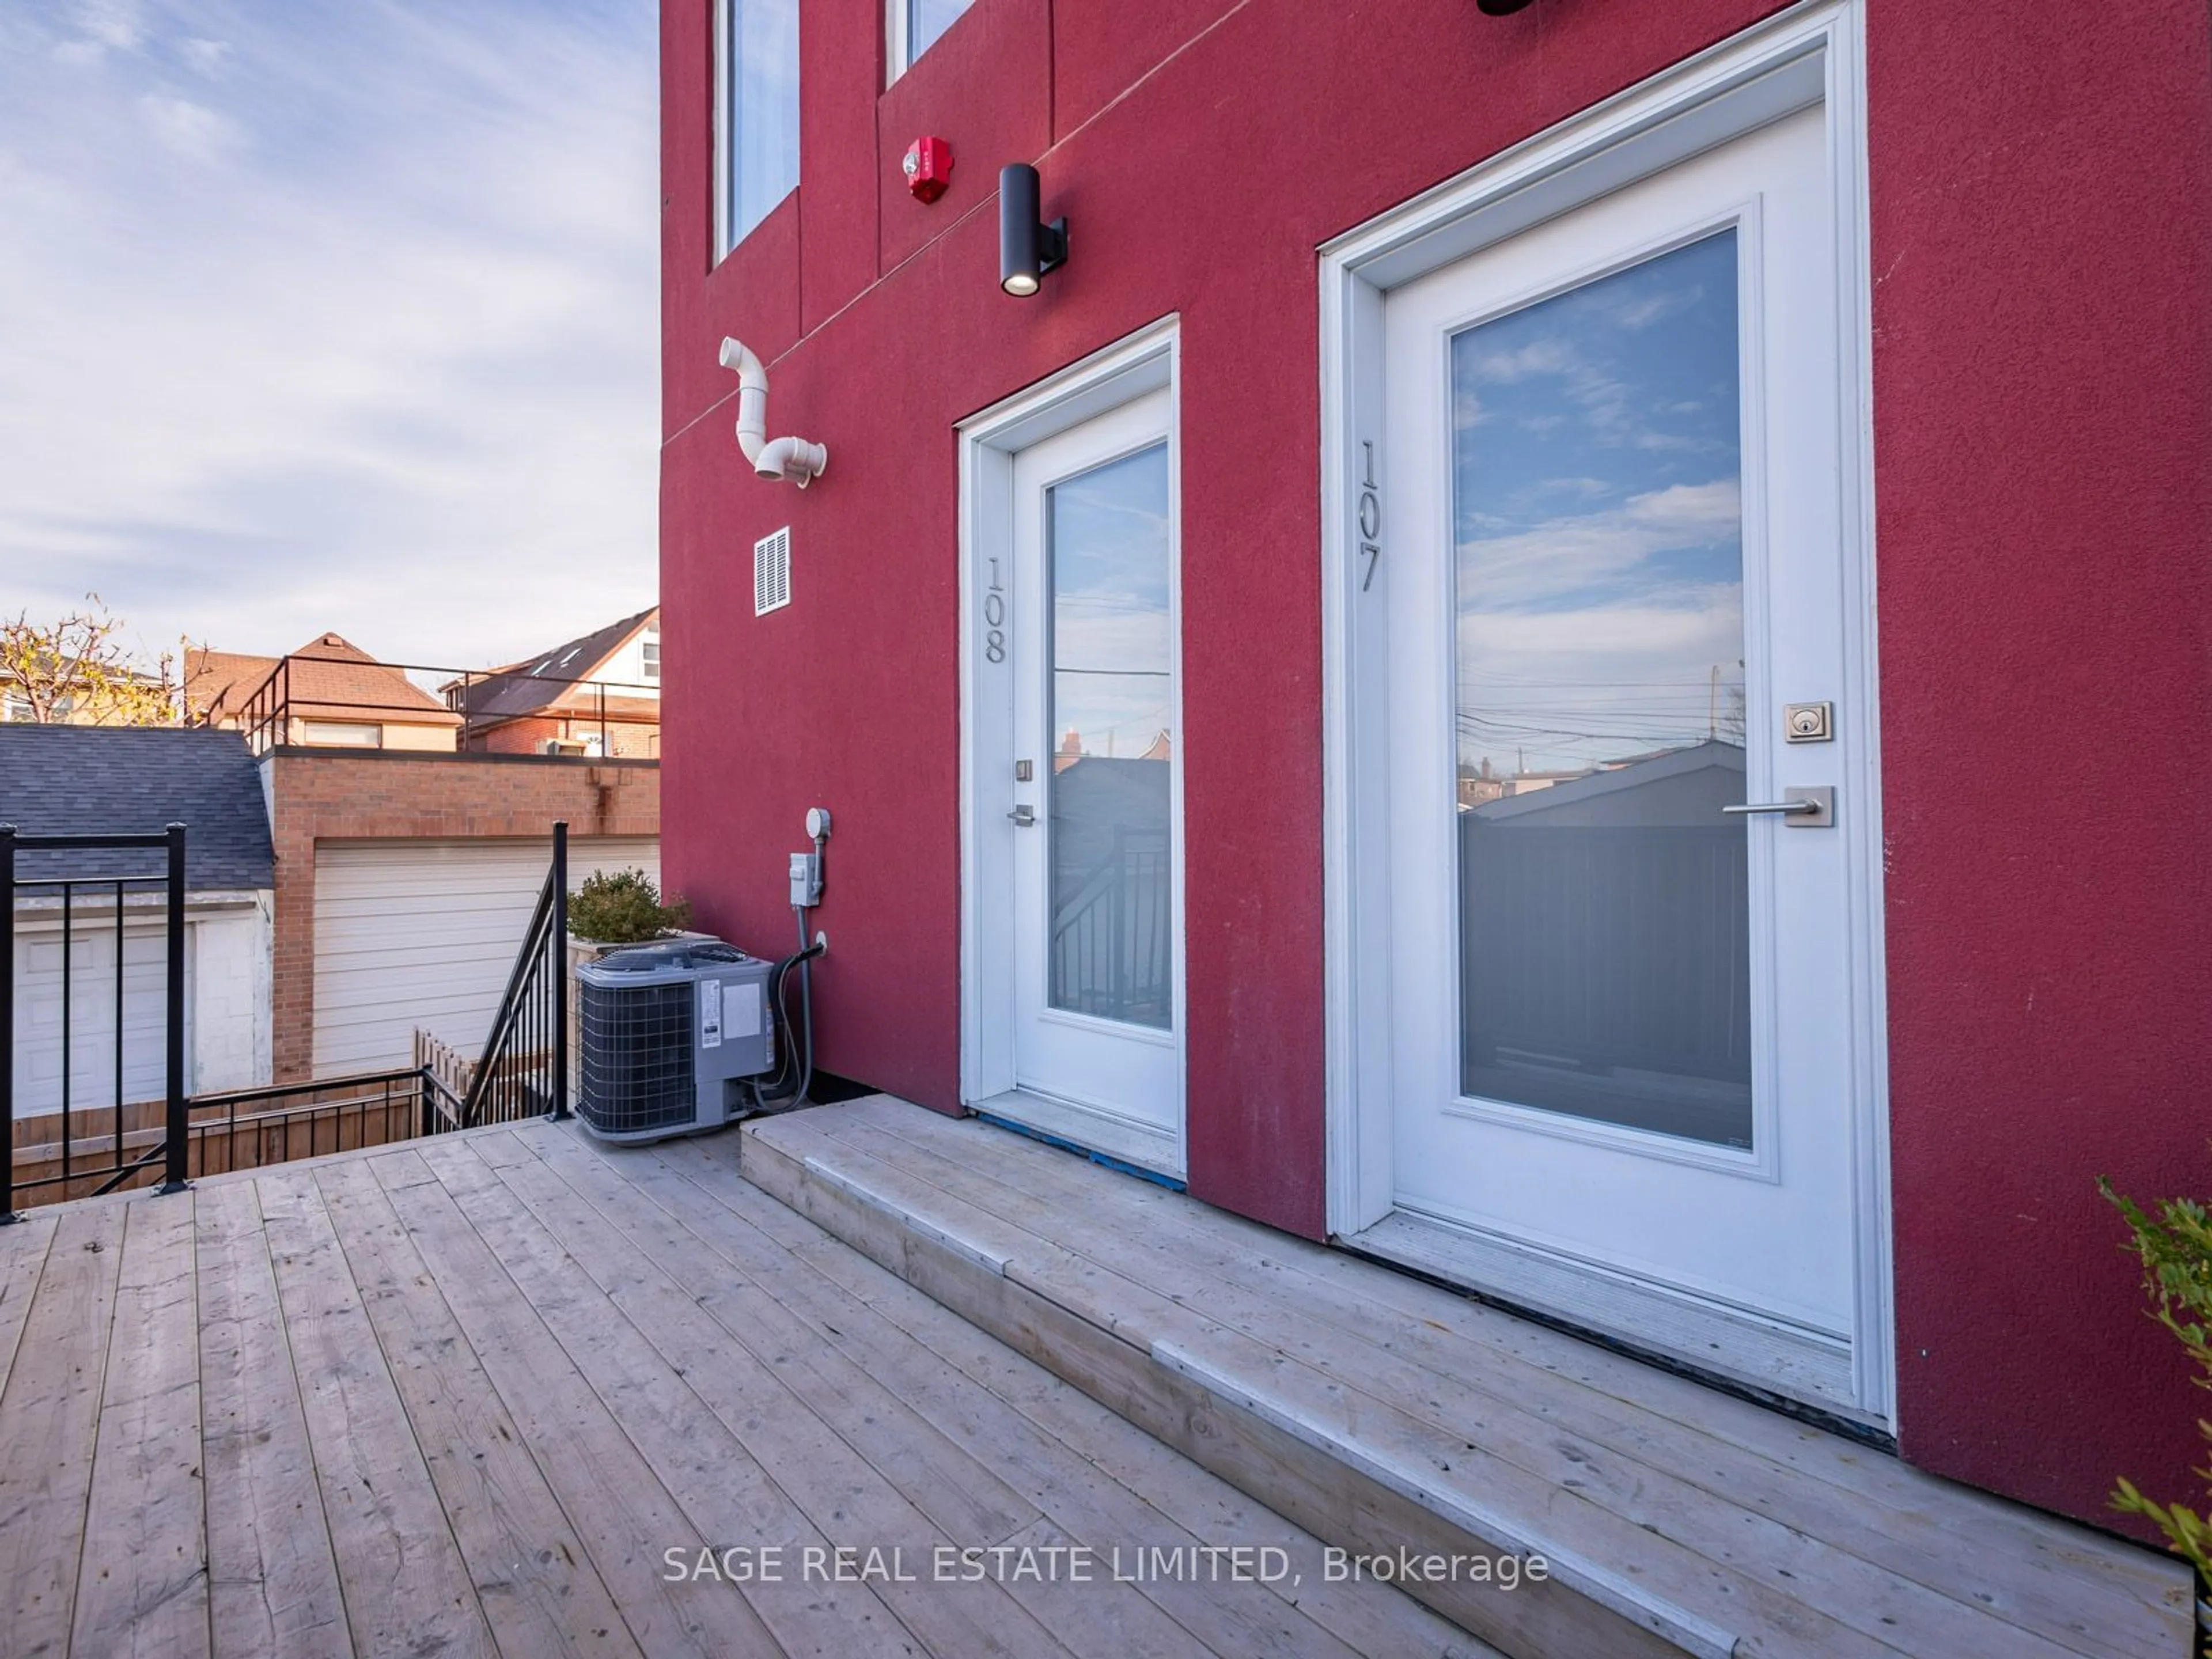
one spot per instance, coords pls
(1024, 817)
(1812, 807)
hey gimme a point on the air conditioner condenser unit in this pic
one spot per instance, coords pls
(667, 1034)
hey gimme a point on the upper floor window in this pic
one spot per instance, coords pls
(651, 648)
(914, 27)
(756, 146)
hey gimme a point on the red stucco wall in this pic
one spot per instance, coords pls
(2042, 392)
(2042, 214)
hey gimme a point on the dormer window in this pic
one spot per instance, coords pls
(756, 121)
(915, 26)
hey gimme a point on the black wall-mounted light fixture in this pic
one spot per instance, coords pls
(1027, 247)
(1499, 7)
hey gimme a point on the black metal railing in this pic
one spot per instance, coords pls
(269, 1124)
(307, 688)
(126, 1149)
(248, 1129)
(523, 1069)
(1113, 937)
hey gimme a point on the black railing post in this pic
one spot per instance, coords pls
(7, 1028)
(179, 1130)
(559, 949)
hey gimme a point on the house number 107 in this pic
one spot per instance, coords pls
(994, 618)
(1370, 517)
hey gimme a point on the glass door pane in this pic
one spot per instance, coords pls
(1604, 908)
(928, 19)
(1108, 547)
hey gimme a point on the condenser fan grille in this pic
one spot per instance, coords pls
(636, 1043)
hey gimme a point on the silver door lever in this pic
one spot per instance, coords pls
(1024, 817)
(1812, 807)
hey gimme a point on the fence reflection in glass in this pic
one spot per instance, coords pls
(1108, 552)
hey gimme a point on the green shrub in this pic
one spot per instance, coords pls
(2175, 1248)
(623, 907)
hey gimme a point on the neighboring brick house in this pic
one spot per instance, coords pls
(596, 695)
(328, 694)
(405, 881)
(406, 869)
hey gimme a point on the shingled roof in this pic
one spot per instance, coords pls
(526, 687)
(330, 678)
(137, 779)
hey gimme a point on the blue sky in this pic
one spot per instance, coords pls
(1596, 497)
(1111, 553)
(330, 314)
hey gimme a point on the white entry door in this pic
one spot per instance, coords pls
(1621, 936)
(1090, 797)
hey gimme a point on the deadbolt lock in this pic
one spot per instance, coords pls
(1808, 722)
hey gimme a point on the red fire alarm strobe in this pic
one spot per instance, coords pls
(928, 167)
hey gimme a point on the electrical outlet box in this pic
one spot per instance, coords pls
(806, 879)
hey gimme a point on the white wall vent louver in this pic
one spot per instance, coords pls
(772, 572)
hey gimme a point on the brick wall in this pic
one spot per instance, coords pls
(388, 796)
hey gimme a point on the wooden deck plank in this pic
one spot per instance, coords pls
(2096, 1594)
(1771, 1584)
(406, 1587)
(677, 1358)
(1815, 1551)
(51, 1410)
(840, 1494)
(24, 1246)
(1102, 1618)
(1104, 1338)
(539, 1591)
(622, 1510)
(142, 1586)
(724, 1493)
(1102, 1479)
(1694, 1431)
(964, 1497)
(272, 1581)
(1103, 1447)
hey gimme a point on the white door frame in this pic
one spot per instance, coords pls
(1813, 55)
(1144, 362)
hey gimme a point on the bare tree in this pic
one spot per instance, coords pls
(76, 671)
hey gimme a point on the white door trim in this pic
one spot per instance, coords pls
(1143, 363)
(1811, 55)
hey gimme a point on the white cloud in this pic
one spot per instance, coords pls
(1550, 355)
(1568, 555)
(209, 58)
(391, 368)
(1639, 311)
(113, 23)
(1573, 648)
(188, 129)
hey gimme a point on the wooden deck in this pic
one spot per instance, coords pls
(1383, 1413)
(464, 1396)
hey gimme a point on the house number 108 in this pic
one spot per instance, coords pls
(994, 618)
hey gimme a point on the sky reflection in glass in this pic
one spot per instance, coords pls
(1596, 512)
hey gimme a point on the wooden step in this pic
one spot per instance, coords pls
(1394, 1419)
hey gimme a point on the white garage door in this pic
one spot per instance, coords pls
(423, 933)
(37, 1057)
